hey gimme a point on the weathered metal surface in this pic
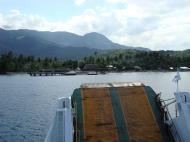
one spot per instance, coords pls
(99, 123)
(119, 112)
(141, 123)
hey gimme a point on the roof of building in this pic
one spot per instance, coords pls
(91, 67)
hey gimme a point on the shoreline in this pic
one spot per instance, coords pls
(98, 72)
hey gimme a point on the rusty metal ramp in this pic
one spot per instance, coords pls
(117, 112)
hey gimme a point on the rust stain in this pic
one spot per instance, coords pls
(140, 121)
(99, 123)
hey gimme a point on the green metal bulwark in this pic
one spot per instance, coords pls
(152, 100)
(119, 117)
(77, 98)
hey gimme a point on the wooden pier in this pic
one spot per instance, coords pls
(52, 73)
(59, 73)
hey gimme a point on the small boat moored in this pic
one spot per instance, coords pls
(92, 73)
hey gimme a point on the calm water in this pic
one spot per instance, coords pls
(27, 103)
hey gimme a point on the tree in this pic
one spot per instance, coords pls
(7, 63)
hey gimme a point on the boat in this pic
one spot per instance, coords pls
(119, 112)
(92, 73)
(70, 73)
(179, 126)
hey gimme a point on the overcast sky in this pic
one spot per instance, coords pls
(155, 24)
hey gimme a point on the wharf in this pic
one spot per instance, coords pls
(60, 73)
(117, 112)
(52, 73)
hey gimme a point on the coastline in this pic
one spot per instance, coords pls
(98, 72)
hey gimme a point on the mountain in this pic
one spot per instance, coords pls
(95, 40)
(56, 44)
(99, 41)
(27, 44)
(91, 40)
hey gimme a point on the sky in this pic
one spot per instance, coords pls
(154, 24)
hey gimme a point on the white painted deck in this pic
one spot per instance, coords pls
(62, 126)
(182, 122)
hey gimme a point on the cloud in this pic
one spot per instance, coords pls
(117, 1)
(158, 25)
(17, 20)
(155, 24)
(79, 2)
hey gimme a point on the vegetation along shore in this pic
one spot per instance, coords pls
(112, 60)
